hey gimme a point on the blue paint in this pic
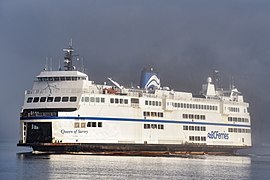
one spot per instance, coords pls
(133, 120)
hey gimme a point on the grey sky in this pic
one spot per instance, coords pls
(183, 40)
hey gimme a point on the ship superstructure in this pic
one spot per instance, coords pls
(67, 112)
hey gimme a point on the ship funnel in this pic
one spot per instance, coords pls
(149, 79)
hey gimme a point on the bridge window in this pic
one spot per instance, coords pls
(29, 100)
(43, 99)
(73, 99)
(50, 99)
(65, 99)
(36, 99)
(57, 99)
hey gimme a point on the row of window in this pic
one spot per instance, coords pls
(153, 103)
(153, 126)
(93, 99)
(153, 114)
(239, 130)
(118, 101)
(194, 128)
(194, 116)
(89, 124)
(197, 138)
(237, 119)
(69, 78)
(234, 109)
(52, 99)
(195, 106)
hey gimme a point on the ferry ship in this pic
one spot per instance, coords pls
(65, 112)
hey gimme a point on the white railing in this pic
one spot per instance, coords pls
(58, 91)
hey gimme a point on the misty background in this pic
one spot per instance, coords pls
(184, 40)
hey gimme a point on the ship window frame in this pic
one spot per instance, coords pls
(36, 99)
(29, 99)
(112, 100)
(83, 125)
(126, 101)
(73, 78)
(65, 99)
(203, 128)
(73, 99)
(62, 78)
(92, 99)
(99, 124)
(146, 126)
(76, 125)
(42, 99)
(197, 128)
(102, 100)
(135, 100)
(57, 99)
(68, 78)
(50, 99)
(160, 126)
(153, 126)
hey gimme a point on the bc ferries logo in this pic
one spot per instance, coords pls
(218, 135)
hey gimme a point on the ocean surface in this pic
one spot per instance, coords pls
(20, 163)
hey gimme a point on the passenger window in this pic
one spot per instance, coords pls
(86, 99)
(99, 124)
(102, 100)
(112, 100)
(92, 99)
(76, 125)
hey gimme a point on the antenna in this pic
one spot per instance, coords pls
(82, 65)
(46, 64)
(232, 85)
(216, 79)
(68, 57)
(59, 66)
(70, 42)
(51, 59)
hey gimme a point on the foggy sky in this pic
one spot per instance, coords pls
(183, 40)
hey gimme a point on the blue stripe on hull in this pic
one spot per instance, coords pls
(133, 120)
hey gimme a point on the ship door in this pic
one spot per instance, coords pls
(39, 132)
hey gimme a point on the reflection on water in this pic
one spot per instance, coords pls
(123, 167)
(16, 165)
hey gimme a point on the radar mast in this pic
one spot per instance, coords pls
(68, 57)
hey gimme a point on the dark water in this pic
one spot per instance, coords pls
(16, 164)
